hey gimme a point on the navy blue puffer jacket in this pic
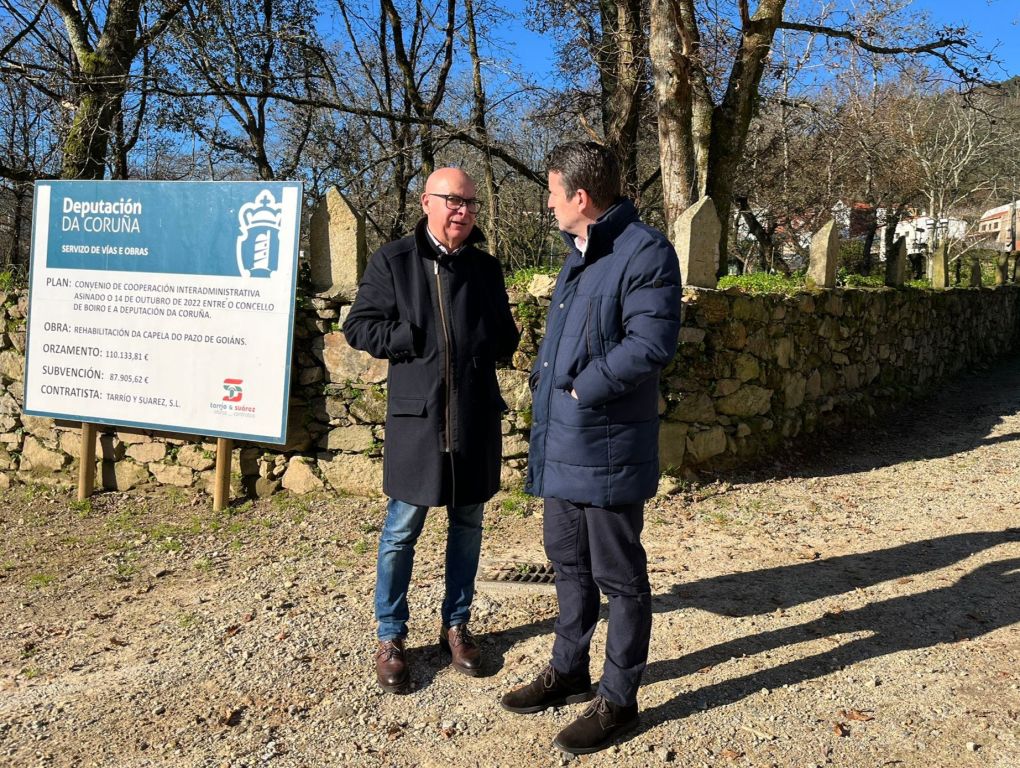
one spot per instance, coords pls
(613, 325)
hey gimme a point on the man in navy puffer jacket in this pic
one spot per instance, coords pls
(613, 325)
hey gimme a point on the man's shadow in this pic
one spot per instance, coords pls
(981, 601)
(764, 590)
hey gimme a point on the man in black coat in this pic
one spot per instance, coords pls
(436, 307)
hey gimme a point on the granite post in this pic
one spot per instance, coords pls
(824, 256)
(896, 264)
(696, 238)
(338, 252)
(975, 272)
(940, 267)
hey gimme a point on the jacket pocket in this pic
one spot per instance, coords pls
(407, 406)
(593, 328)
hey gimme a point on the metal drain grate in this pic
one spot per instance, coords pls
(516, 576)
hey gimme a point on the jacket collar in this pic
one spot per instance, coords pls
(428, 249)
(603, 233)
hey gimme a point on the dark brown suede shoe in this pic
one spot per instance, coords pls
(466, 655)
(597, 727)
(549, 689)
(391, 669)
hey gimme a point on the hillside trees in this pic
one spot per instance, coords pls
(707, 97)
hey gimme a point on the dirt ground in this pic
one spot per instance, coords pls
(853, 605)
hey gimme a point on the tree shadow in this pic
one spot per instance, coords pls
(981, 601)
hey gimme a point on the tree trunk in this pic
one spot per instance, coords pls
(869, 239)
(761, 234)
(620, 67)
(19, 220)
(103, 72)
(478, 112)
(672, 49)
(701, 143)
(87, 141)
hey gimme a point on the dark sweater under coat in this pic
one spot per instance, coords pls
(612, 326)
(443, 440)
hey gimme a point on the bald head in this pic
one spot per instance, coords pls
(450, 226)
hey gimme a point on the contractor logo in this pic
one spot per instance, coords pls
(233, 390)
(258, 245)
(230, 405)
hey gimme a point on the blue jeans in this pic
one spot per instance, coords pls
(396, 558)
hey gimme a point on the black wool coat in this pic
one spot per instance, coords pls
(442, 321)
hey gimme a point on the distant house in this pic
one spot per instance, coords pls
(994, 227)
(919, 231)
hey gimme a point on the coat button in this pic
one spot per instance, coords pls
(545, 365)
(561, 306)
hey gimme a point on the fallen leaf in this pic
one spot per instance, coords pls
(231, 716)
(855, 714)
(233, 629)
(840, 729)
(731, 754)
(904, 580)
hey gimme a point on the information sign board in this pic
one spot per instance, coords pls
(164, 305)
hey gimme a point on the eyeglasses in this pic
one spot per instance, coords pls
(454, 202)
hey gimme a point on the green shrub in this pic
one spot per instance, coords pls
(764, 282)
(521, 277)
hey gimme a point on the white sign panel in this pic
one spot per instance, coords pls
(164, 305)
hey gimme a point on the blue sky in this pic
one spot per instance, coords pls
(996, 23)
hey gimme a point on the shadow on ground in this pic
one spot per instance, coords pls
(982, 600)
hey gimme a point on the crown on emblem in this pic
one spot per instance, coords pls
(263, 212)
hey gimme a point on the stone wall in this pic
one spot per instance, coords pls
(751, 372)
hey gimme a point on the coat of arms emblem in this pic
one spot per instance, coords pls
(258, 245)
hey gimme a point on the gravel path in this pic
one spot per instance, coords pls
(854, 606)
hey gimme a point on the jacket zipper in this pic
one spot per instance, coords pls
(448, 446)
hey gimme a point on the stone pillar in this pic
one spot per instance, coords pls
(975, 272)
(896, 264)
(696, 238)
(1001, 268)
(824, 255)
(940, 268)
(338, 252)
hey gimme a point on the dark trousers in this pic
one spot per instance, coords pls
(592, 549)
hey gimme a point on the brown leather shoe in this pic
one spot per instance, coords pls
(391, 669)
(462, 647)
